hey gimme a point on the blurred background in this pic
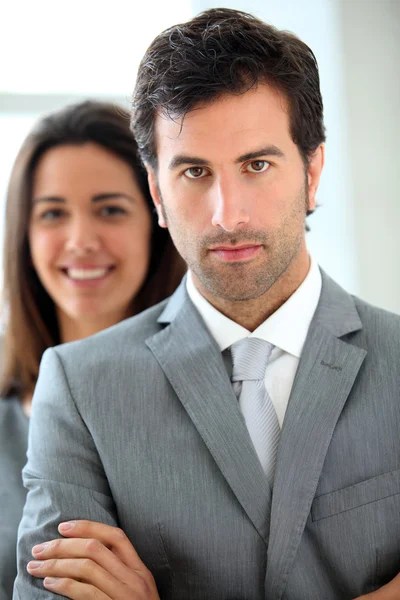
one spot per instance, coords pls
(54, 53)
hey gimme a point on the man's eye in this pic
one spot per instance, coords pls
(195, 172)
(257, 166)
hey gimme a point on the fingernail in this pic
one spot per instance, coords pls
(35, 564)
(39, 548)
(50, 580)
(66, 526)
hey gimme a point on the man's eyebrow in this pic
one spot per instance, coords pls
(266, 151)
(183, 159)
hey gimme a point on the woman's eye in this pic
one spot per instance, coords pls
(195, 172)
(51, 214)
(111, 211)
(257, 166)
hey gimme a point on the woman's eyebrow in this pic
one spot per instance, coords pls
(112, 196)
(41, 199)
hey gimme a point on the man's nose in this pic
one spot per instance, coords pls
(82, 237)
(229, 208)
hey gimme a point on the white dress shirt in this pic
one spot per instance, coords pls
(286, 329)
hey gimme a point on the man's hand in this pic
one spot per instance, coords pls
(390, 591)
(96, 561)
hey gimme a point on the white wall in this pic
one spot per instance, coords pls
(371, 40)
(79, 46)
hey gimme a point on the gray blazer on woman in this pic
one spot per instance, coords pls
(13, 443)
(138, 426)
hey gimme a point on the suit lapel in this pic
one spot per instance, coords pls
(192, 362)
(326, 373)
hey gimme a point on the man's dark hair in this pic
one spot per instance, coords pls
(226, 51)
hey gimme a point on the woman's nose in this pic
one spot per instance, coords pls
(83, 237)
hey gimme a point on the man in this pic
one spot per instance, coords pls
(244, 435)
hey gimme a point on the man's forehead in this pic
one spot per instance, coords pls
(177, 125)
(227, 117)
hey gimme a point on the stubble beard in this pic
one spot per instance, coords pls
(243, 281)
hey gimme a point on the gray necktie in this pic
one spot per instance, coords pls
(250, 357)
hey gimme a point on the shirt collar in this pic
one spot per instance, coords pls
(286, 328)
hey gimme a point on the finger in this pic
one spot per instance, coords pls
(90, 549)
(112, 537)
(84, 571)
(75, 590)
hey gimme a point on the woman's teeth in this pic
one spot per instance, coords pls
(87, 273)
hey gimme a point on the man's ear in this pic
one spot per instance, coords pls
(155, 194)
(314, 171)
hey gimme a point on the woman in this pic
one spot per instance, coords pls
(82, 252)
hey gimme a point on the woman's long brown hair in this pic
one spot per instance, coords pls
(31, 323)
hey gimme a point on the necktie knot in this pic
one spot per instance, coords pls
(250, 357)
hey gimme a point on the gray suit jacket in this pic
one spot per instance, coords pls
(138, 426)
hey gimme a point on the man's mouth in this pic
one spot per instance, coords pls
(240, 252)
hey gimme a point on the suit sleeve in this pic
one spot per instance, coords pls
(64, 475)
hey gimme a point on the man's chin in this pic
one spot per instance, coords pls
(232, 291)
